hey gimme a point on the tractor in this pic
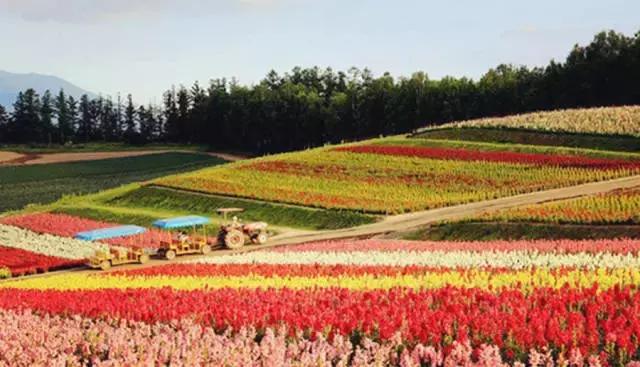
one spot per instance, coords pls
(106, 258)
(235, 234)
(181, 243)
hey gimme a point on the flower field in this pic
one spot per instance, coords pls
(616, 207)
(40, 242)
(385, 177)
(353, 302)
(609, 120)
(64, 225)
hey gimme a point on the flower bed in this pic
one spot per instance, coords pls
(616, 207)
(68, 225)
(533, 302)
(82, 341)
(22, 262)
(493, 156)
(47, 244)
(606, 120)
(391, 179)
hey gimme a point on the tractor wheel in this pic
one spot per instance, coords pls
(170, 255)
(260, 238)
(105, 265)
(206, 249)
(234, 239)
(143, 259)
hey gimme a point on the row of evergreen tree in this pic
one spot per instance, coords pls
(311, 107)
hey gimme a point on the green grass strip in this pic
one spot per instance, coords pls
(276, 214)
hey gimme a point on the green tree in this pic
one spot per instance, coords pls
(46, 114)
(4, 121)
(25, 124)
(87, 119)
(65, 123)
(130, 120)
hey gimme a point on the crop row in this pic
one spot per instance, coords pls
(512, 320)
(527, 301)
(47, 244)
(617, 207)
(525, 280)
(21, 262)
(458, 154)
(386, 183)
(610, 120)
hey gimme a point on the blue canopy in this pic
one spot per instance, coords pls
(179, 222)
(105, 233)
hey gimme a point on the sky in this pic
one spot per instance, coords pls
(145, 46)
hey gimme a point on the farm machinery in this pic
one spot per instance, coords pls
(106, 258)
(235, 234)
(181, 243)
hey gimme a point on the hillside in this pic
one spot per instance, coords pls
(604, 121)
(13, 83)
(395, 175)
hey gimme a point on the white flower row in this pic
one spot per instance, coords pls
(452, 259)
(47, 244)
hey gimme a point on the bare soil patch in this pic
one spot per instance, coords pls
(11, 158)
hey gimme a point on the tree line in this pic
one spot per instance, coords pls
(309, 107)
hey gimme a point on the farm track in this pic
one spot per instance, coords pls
(18, 159)
(403, 222)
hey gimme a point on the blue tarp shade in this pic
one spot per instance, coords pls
(179, 222)
(105, 233)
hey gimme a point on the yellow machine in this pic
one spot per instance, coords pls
(117, 256)
(181, 243)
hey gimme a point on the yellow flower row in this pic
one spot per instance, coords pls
(525, 280)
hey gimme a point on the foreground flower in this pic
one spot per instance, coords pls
(77, 341)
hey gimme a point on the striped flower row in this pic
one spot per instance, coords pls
(590, 319)
(47, 244)
(617, 246)
(489, 279)
(449, 259)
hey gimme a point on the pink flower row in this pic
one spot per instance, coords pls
(618, 246)
(75, 341)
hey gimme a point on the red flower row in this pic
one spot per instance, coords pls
(512, 320)
(67, 226)
(617, 246)
(493, 156)
(21, 262)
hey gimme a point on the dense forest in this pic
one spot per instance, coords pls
(311, 107)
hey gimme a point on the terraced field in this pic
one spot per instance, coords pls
(400, 174)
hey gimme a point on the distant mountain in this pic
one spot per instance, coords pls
(12, 83)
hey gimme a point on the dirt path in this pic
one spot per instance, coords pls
(8, 156)
(404, 221)
(11, 158)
